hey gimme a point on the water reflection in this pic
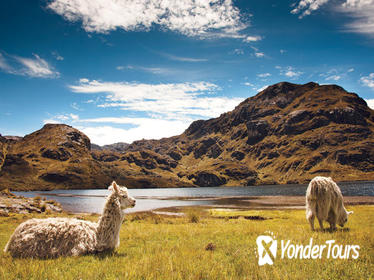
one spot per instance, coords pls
(92, 200)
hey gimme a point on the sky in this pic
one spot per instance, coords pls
(122, 70)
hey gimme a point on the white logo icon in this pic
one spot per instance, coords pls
(267, 249)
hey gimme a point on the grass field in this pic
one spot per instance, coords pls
(154, 247)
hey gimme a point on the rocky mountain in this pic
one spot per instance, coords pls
(60, 156)
(287, 133)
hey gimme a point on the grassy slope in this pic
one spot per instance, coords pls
(174, 248)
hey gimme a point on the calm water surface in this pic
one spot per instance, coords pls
(92, 200)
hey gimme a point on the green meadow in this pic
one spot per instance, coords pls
(204, 244)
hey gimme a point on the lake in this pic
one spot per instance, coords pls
(92, 200)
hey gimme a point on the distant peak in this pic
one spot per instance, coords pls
(52, 125)
(287, 86)
(283, 88)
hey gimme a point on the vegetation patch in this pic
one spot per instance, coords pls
(176, 248)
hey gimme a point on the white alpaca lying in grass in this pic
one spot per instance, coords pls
(54, 237)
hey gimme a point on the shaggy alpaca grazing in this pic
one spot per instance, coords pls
(324, 200)
(55, 237)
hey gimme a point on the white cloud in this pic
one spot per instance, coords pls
(172, 101)
(361, 12)
(36, 67)
(333, 78)
(289, 71)
(237, 51)
(74, 117)
(196, 18)
(75, 106)
(57, 56)
(336, 74)
(144, 128)
(264, 75)
(62, 118)
(101, 130)
(53, 121)
(184, 59)
(4, 65)
(33, 67)
(248, 84)
(257, 52)
(168, 109)
(292, 74)
(261, 89)
(83, 80)
(154, 70)
(368, 80)
(370, 103)
(250, 39)
(306, 7)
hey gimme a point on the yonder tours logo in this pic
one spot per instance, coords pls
(267, 249)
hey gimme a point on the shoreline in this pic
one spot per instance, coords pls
(209, 201)
(263, 203)
(245, 203)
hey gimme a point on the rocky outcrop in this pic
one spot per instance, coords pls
(10, 203)
(242, 172)
(238, 155)
(150, 160)
(206, 179)
(16, 164)
(60, 177)
(209, 147)
(361, 158)
(106, 157)
(256, 131)
(57, 154)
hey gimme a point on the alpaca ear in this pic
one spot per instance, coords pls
(115, 186)
(350, 212)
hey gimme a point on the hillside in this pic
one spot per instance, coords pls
(287, 133)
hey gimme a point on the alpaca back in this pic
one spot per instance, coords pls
(323, 197)
(52, 237)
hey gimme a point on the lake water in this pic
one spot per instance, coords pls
(92, 200)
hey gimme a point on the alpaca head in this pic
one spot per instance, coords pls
(343, 218)
(125, 200)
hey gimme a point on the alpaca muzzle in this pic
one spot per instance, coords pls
(133, 202)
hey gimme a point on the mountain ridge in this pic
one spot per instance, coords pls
(287, 133)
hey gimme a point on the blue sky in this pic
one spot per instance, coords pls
(122, 70)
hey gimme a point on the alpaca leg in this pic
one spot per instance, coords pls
(332, 226)
(332, 220)
(310, 217)
(78, 250)
(320, 223)
(74, 252)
